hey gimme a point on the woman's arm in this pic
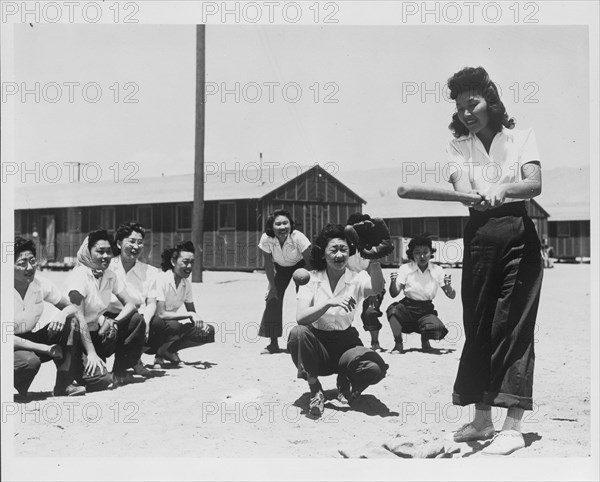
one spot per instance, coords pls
(395, 286)
(66, 309)
(306, 257)
(93, 360)
(161, 311)
(129, 306)
(377, 281)
(447, 287)
(530, 186)
(53, 351)
(270, 272)
(306, 313)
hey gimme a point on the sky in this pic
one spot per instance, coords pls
(354, 96)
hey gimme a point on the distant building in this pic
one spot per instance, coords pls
(236, 207)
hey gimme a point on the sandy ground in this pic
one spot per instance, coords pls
(230, 401)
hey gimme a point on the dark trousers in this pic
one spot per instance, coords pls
(501, 284)
(321, 353)
(271, 325)
(127, 348)
(27, 363)
(371, 312)
(129, 344)
(415, 316)
(179, 335)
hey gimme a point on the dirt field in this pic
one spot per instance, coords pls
(229, 401)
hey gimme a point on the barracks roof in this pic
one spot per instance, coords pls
(565, 194)
(219, 186)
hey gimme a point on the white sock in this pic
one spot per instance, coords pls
(513, 419)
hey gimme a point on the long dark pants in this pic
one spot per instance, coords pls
(321, 353)
(415, 316)
(129, 344)
(501, 284)
(271, 325)
(127, 348)
(371, 312)
(27, 363)
(178, 335)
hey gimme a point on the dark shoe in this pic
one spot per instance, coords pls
(122, 379)
(316, 406)
(425, 345)
(141, 370)
(376, 347)
(398, 347)
(159, 362)
(69, 391)
(271, 349)
(344, 389)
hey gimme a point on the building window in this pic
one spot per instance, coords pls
(563, 229)
(74, 220)
(183, 217)
(226, 215)
(144, 217)
(18, 222)
(107, 218)
(431, 227)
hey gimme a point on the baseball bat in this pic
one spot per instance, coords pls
(430, 193)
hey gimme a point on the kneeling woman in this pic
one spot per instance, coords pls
(170, 329)
(90, 286)
(324, 342)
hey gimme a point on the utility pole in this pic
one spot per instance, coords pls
(198, 208)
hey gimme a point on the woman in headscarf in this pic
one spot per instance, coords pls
(90, 286)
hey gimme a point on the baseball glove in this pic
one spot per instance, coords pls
(371, 238)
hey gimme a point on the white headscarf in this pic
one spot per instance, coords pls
(84, 258)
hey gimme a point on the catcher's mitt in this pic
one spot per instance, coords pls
(371, 238)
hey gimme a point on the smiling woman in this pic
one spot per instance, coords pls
(285, 249)
(502, 264)
(90, 286)
(325, 342)
(172, 329)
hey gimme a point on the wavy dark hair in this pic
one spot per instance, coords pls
(421, 240)
(99, 235)
(22, 245)
(271, 219)
(124, 230)
(317, 252)
(171, 254)
(477, 81)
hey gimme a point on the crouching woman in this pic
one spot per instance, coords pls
(325, 342)
(173, 329)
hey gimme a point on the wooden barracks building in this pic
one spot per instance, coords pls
(237, 204)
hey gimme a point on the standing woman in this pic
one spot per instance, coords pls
(285, 249)
(90, 286)
(172, 330)
(502, 265)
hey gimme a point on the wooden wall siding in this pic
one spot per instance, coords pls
(570, 247)
(315, 185)
(311, 217)
(534, 210)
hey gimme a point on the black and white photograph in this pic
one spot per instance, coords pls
(311, 240)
